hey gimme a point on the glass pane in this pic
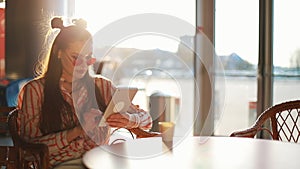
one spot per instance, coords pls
(286, 52)
(156, 62)
(236, 44)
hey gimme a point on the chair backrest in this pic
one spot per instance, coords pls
(13, 127)
(4, 111)
(284, 122)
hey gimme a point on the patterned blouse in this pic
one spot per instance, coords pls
(30, 102)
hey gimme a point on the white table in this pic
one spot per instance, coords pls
(196, 153)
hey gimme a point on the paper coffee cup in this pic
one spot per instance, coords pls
(167, 130)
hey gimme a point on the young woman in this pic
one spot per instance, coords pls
(49, 113)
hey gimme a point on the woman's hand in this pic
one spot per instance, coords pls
(121, 120)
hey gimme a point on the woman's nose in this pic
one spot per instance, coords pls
(78, 61)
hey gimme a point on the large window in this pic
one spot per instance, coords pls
(161, 65)
(286, 50)
(237, 38)
(236, 45)
(156, 62)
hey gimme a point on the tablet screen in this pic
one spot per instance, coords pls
(119, 103)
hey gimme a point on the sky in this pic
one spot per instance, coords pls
(109, 11)
(236, 27)
(286, 30)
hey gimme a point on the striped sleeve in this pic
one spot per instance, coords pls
(141, 117)
(29, 103)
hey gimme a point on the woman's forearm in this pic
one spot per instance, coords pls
(74, 133)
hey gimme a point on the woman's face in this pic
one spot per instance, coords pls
(76, 59)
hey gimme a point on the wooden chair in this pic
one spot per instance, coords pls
(284, 123)
(4, 110)
(7, 152)
(29, 155)
(8, 157)
(34, 155)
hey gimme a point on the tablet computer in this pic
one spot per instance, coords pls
(119, 103)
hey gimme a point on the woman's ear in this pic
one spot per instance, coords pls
(59, 54)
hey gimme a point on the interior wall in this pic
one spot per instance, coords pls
(26, 25)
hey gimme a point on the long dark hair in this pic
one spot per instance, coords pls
(54, 106)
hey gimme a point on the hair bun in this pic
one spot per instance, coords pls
(80, 23)
(57, 23)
